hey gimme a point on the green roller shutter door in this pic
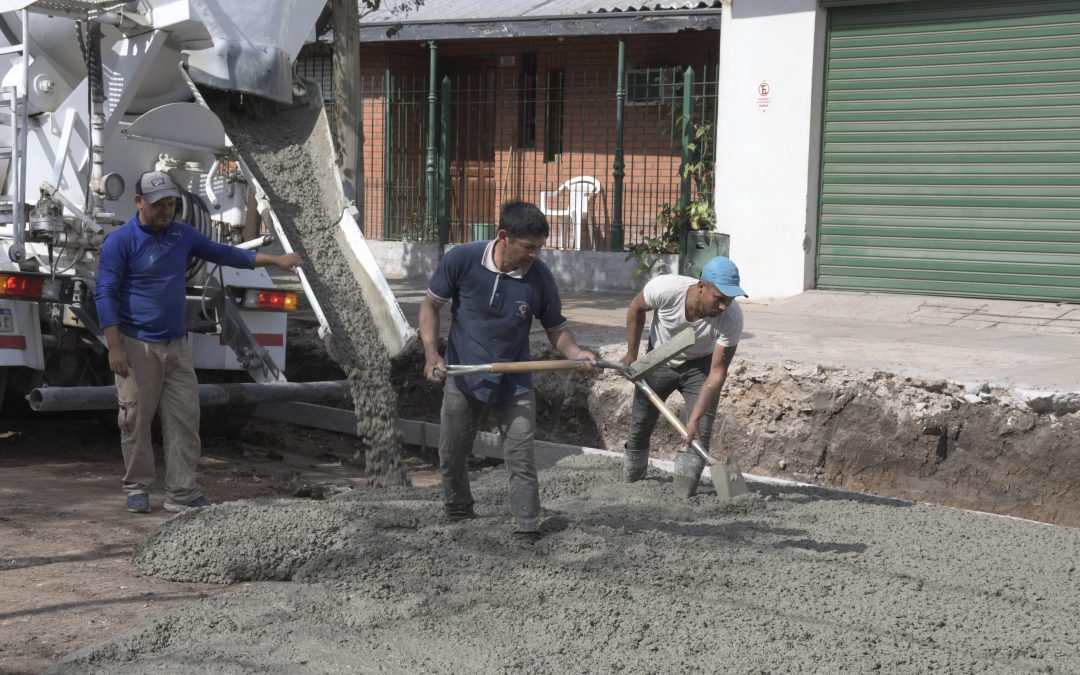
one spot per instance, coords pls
(951, 149)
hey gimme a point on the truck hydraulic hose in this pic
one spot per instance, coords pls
(46, 399)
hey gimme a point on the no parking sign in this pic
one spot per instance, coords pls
(764, 96)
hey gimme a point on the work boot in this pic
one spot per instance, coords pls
(526, 537)
(688, 468)
(635, 464)
(177, 507)
(457, 512)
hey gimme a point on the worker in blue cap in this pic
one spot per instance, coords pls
(677, 302)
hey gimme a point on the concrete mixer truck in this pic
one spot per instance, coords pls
(93, 94)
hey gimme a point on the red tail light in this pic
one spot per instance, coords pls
(278, 301)
(21, 286)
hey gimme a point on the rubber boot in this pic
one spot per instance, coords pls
(635, 464)
(688, 468)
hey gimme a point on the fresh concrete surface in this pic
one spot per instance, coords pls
(626, 579)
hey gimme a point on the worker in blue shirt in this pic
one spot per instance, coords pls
(495, 288)
(140, 298)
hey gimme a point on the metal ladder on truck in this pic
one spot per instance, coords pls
(12, 206)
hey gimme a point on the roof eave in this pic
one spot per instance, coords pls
(607, 23)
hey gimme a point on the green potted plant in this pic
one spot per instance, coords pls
(678, 221)
(648, 254)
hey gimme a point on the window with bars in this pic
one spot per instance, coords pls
(553, 127)
(648, 86)
(528, 101)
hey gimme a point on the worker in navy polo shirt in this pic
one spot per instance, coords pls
(496, 288)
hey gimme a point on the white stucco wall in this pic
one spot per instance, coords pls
(768, 147)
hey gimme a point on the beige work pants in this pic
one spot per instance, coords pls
(161, 379)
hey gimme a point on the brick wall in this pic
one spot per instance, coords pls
(588, 66)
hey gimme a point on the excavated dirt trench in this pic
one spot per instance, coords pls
(972, 447)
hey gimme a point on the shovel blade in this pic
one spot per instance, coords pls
(661, 354)
(728, 479)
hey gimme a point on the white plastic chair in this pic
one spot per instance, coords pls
(581, 190)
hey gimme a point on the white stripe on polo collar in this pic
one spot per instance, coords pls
(489, 262)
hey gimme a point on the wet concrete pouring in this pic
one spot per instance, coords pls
(627, 578)
(281, 146)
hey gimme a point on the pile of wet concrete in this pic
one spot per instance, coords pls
(625, 579)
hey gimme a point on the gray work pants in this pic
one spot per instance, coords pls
(161, 379)
(516, 418)
(688, 379)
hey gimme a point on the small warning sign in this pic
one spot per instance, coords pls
(764, 96)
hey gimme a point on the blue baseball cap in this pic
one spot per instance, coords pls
(723, 274)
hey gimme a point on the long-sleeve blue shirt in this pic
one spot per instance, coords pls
(141, 286)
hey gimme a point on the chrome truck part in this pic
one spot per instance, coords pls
(46, 399)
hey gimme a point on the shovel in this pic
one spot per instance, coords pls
(726, 475)
(636, 370)
(512, 367)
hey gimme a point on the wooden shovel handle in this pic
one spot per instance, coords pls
(533, 366)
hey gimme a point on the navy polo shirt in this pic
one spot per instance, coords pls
(491, 316)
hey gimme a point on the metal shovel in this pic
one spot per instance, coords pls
(725, 474)
(636, 370)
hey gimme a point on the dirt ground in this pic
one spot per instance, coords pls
(66, 576)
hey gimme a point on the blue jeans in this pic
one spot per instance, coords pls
(688, 379)
(516, 418)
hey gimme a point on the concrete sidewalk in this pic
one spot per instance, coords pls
(1008, 344)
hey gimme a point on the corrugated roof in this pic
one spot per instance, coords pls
(502, 10)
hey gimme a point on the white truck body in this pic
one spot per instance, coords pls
(75, 136)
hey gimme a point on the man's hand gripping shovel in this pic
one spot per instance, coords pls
(726, 475)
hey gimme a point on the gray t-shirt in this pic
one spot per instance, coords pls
(666, 295)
